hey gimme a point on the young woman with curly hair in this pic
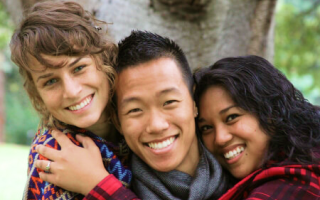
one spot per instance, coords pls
(67, 64)
(260, 128)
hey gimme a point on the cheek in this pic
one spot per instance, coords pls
(50, 101)
(131, 128)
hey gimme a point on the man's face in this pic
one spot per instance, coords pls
(156, 113)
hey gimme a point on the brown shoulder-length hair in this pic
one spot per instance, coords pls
(59, 28)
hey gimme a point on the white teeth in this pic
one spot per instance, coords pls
(233, 153)
(81, 105)
(161, 145)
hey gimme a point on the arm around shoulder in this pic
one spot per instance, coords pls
(110, 188)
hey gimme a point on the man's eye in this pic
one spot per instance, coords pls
(231, 117)
(135, 110)
(169, 102)
(77, 69)
(50, 82)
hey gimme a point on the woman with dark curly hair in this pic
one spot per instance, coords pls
(260, 128)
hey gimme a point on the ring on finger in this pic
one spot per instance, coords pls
(48, 167)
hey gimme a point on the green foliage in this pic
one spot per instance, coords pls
(6, 28)
(21, 119)
(296, 45)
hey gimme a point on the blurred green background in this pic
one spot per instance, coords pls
(297, 35)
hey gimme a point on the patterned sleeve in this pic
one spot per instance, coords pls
(36, 188)
(110, 188)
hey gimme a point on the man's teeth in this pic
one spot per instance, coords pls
(161, 145)
(233, 153)
(82, 104)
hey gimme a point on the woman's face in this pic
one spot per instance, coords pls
(77, 93)
(230, 133)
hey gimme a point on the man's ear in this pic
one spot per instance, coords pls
(195, 109)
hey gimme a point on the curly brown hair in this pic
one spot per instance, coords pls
(59, 28)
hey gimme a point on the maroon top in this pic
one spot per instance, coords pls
(284, 181)
(110, 188)
(289, 181)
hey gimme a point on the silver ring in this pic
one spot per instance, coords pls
(48, 167)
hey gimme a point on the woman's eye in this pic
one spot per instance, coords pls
(205, 128)
(169, 102)
(231, 117)
(135, 110)
(50, 82)
(77, 69)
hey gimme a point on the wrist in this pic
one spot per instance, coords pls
(93, 181)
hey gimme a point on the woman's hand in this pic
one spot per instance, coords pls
(73, 168)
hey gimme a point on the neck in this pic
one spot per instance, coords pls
(190, 163)
(101, 129)
(105, 129)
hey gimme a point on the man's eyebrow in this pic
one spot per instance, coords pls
(128, 100)
(44, 76)
(221, 112)
(168, 90)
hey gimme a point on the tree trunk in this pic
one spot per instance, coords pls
(207, 30)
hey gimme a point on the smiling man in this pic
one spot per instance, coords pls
(155, 114)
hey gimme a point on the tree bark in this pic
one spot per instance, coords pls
(207, 30)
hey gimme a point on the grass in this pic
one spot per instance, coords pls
(13, 170)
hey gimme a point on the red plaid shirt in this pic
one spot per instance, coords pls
(110, 188)
(290, 181)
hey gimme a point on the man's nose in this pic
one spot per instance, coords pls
(157, 122)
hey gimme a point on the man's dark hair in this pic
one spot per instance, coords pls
(256, 86)
(142, 46)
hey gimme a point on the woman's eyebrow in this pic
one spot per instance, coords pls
(44, 76)
(75, 62)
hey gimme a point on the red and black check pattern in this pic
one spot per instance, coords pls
(289, 181)
(110, 188)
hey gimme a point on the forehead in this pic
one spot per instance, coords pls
(158, 74)
(215, 95)
(55, 62)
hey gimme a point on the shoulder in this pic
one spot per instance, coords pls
(279, 182)
(300, 181)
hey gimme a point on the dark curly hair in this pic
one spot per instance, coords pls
(256, 86)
